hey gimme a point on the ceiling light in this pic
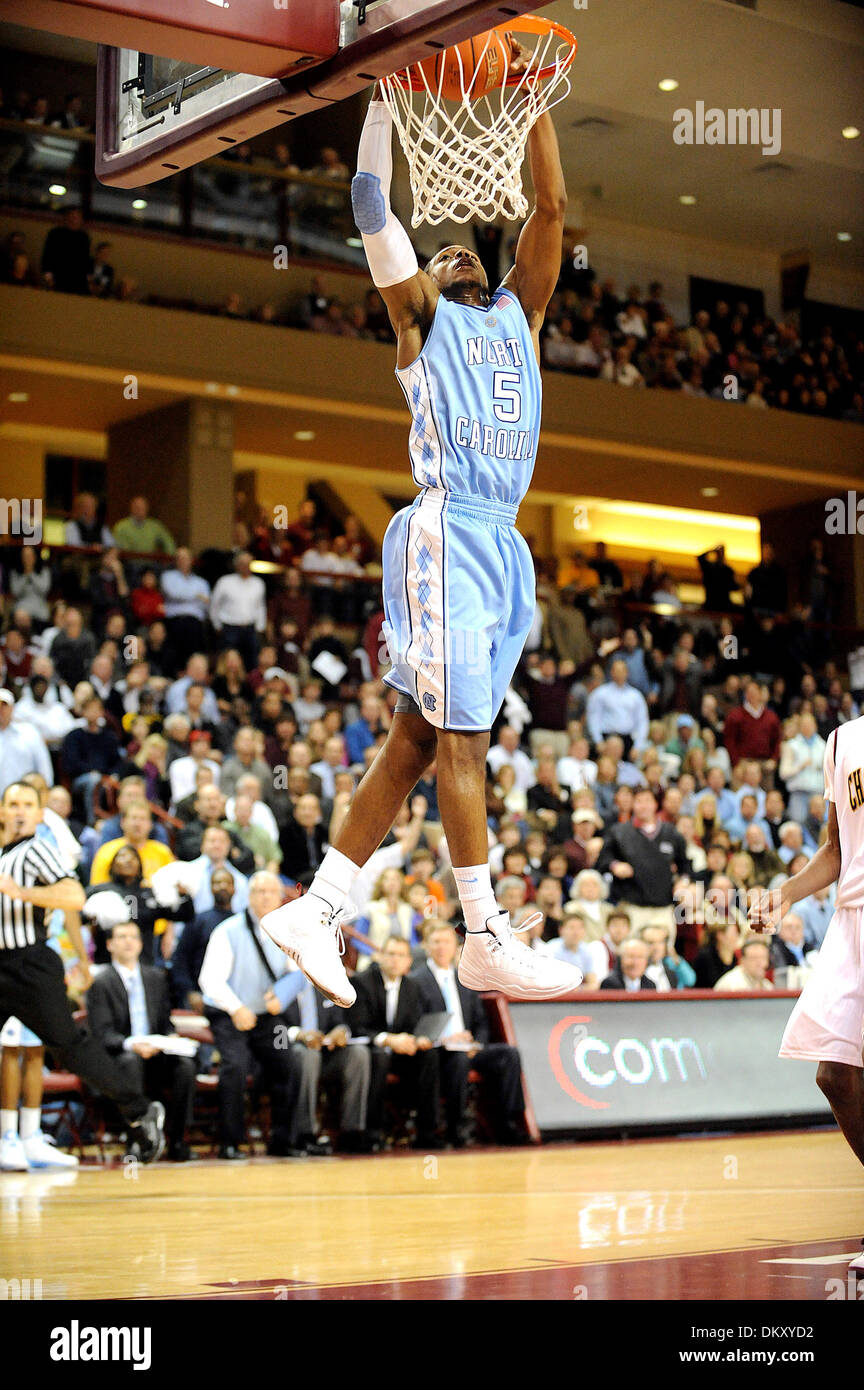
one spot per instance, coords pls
(850, 132)
(668, 84)
(844, 236)
(303, 436)
(232, 390)
(211, 387)
(18, 397)
(710, 491)
(688, 199)
(57, 190)
(139, 204)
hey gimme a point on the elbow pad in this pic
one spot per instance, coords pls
(389, 252)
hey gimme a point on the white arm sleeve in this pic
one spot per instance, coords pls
(388, 249)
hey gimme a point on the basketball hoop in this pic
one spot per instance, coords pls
(465, 157)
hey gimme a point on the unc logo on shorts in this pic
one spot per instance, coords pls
(429, 702)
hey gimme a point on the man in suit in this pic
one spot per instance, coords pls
(319, 1033)
(630, 972)
(126, 1002)
(247, 983)
(387, 1010)
(303, 840)
(498, 1063)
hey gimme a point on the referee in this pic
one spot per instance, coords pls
(34, 881)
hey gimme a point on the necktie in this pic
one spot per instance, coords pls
(308, 1007)
(391, 1003)
(446, 985)
(138, 1019)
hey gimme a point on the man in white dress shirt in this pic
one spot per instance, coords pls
(507, 750)
(238, 609)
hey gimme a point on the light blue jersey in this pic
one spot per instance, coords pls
(458, 577)
(475, 398)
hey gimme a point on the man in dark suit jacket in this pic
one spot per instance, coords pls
(498, 1063)
(387, 1010)
(319, 1032)
(303, 838)
(630, 972)
(189, 954)
(128, 1000)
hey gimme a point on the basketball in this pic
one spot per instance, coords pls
(475, 67)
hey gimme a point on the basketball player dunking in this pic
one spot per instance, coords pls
(827, 1023)
(458, 576)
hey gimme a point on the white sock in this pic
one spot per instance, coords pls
(335, 878)
(475, 894)
(31, 1121)
(8, 1121)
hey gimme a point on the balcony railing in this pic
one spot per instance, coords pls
(257, 205)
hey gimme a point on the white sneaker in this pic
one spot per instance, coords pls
(41, 1151)
(308, 931)
(12, 1156)
(494, 959)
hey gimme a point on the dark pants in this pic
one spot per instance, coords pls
(171, 1078)
(186, 635)
(32, 988)
(420, 1074)
(346, 1068)
(501, 1068)
(242, 639)
(279, 1065)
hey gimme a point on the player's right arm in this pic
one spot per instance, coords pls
(408, 292)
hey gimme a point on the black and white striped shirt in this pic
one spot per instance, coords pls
(34, 863)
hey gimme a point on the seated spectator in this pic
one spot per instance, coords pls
(183, 772)
(244, 762)
(30, 587)
(752, 969)
(665, 967)
(247, 983)
(789, 949)
(88, 754)
(142, 533)
(388, 913)
(576, 769)
(507, 750)
(616, 707)
(630, 973)
(318, 1032)
(197, 672)
(570, 945)
(146, 599)
(465, 1045)
(126, 878)
(303, 838)
(72, 650)
(188, 955)
(127, 1006)
(264, 847)
(618, 929)
(388, 1008)
(136, 824)
(718, 954)
(364, 732)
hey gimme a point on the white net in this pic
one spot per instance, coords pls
(465, 158)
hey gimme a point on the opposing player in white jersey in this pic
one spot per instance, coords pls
(458, 576)
(827, 1023)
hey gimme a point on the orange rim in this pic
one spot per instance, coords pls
(526, 23)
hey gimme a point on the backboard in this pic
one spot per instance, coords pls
(157, 115)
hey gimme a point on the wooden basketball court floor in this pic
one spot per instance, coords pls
(737, 1216)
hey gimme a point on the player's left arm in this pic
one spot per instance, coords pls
(538, 252)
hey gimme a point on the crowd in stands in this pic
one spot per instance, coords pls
(197, 734)
(724, 353)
